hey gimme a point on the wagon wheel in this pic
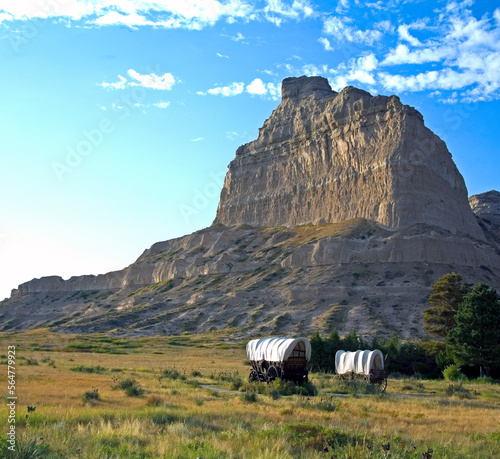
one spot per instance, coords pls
(381, 385)
(253, 377)
(272, 374)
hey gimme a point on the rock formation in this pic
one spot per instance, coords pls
(340, 215)
(486, 207)
(327, 157)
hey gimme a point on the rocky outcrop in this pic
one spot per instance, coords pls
(340, 215)
(327, 157)
(486, 207)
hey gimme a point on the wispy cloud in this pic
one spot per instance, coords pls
(341, 30)
(161, 105)
(188, 14)
(150, 81)
(255, 88)
(277, 10)
(342, 6)
(326, 44)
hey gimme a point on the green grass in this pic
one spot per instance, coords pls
(79, 415)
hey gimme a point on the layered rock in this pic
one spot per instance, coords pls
(340, 215)
(327, 157)
(486, 207)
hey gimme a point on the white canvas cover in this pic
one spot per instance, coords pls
(277, 349)
(360, 362)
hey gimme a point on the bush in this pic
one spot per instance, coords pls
(130, 387)
(171, 374)
(249, 397)
(458, 390)
(90, 395)
(453, 373)
(327, 404)
(236, 383)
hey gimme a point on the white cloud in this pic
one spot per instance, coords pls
(132, 20)
(238, 37)
(361, 70)
(189, 14)
(222, 55)
(149, 81)
(342, 6)
(384, 26)
(255, 88)
(152, 81)
(404, 34)
(198, 139)
(231, 90)
(121, 84)
(32, 9)
(403, 55)
(340, 29)
(295, 11)
(326, 43)
(161, 104)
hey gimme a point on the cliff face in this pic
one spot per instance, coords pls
(341, 214)
(486, 207)
(327, 157)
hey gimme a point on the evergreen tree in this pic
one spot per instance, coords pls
(447, 293)
(476, 338)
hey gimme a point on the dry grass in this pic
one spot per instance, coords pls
(177, 419)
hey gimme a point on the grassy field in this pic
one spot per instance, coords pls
(101, 397)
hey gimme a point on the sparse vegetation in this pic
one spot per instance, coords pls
(177, 418)
(90, 395)
(130, 387)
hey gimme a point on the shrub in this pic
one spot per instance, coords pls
(458, 390)
(171, 374)
(453, 373)
(236, 383)
(130, 387)
(249, 397)
(90, 395)
(196, 374)
(327, 404)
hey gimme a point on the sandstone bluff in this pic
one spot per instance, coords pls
(341, 214)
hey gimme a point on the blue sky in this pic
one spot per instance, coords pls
(118, 118)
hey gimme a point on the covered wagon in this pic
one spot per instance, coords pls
(284, 358)
(362, 365)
